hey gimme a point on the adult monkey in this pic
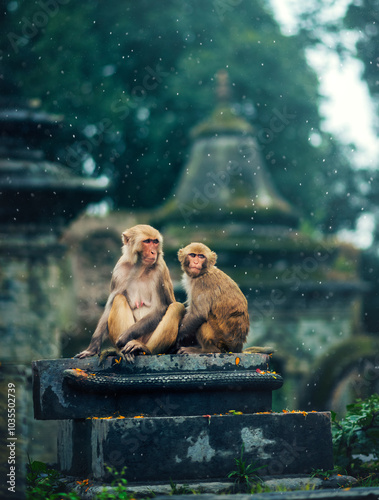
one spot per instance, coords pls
(141, 314)
(217, 318)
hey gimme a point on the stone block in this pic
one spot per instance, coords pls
(197, 447)
(169, 385)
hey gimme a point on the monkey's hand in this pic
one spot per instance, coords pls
(86, 353)
(134, 348)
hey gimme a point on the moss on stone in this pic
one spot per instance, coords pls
(223, 120)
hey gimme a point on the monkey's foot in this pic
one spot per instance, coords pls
(189, 350)
(134, 348)
(85, 354)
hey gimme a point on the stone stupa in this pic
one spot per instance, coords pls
(303, 290)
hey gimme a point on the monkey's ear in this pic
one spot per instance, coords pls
(125, 237)
(212, 259)
(181, 255)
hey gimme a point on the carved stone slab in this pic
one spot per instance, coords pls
(169, 385)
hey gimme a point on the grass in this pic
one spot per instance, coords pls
(246, 474)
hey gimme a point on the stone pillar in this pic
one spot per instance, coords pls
(14, 396)
(31, 311)
(38, 198)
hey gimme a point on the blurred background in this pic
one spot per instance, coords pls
(250, 126)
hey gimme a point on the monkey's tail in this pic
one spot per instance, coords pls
(260, 350)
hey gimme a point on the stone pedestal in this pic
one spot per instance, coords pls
(155, 386)
(195, 448)
(175, 417)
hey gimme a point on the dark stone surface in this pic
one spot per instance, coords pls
(195, 448)
(168, 385)
(351, 494)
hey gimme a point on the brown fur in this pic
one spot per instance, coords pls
(141, 296)
(217, 318)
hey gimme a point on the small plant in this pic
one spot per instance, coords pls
(43, 482)
(246, 474)
(235, 412)
(370, 481)
(119, 487)
(260, 488)
(179, 490)
(322, 474)
(357, 434)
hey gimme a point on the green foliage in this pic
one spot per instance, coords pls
(245, 475)
(43, 482)
(322, 474)
(119, 487)
(357, 434)
(363, 18)
(317, 22)
(369, 481)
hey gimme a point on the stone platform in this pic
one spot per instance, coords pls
(167, 385)
(176, 417)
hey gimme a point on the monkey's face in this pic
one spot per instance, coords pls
(196, 258)
(142, 244)
(149, 251)
(195, 263)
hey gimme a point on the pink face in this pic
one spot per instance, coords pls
(195, 263)
(150, 251)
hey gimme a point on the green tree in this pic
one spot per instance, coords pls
(134, 78)
(352, 35)
(364, 19)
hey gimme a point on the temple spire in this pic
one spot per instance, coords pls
(223, 89)
(223, 120)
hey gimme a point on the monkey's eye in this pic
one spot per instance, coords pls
(201, 256)
(150, 240)
(192, 255)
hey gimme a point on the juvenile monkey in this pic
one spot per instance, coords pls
(217, 318)
(141, 314)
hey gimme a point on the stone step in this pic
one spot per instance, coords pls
(195, 448)
(205, 490)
